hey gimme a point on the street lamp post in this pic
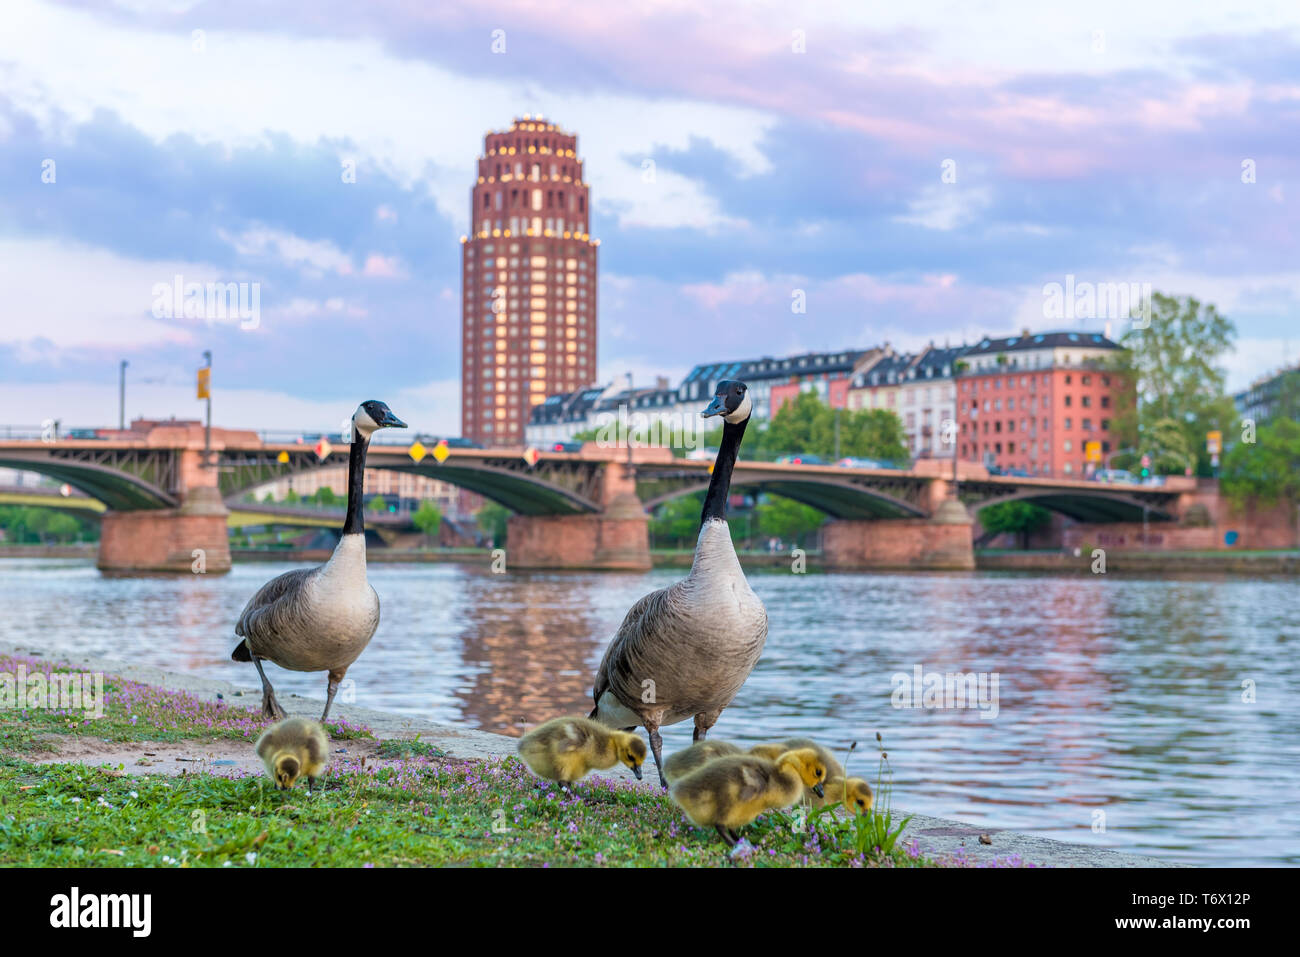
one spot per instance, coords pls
(121, 396)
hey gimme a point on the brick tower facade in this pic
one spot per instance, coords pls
(528, 281)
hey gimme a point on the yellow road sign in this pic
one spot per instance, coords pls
(1092, 451)
(417, 451)
(205, 383)
(440, 451)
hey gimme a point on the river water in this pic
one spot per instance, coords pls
(1120, 714)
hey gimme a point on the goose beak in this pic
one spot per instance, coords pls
(637, 771)
(392, 422)
(819, 790)
(716, 407)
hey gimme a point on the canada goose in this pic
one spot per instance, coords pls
(685, 650)
(683, 762)
(320, 619)
(729, 792)
(774, 749)
(565, 749)
(292, 749)
(854, 793)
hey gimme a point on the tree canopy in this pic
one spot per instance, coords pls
(1267, 469)
(428, 518)
(1176, 363)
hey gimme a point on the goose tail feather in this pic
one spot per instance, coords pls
(241, 652)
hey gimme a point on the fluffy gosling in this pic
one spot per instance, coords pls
(854, 793)
(774, 749)
(565, 749)
(683, 762)
(292, 749)
(729, 792)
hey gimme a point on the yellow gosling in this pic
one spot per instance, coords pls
(730, 792)
(683, 762)
(565, 749)
(774, 749)
(853, 793)
(292, 749)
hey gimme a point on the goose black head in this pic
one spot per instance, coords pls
(373, 414)
(731, 401)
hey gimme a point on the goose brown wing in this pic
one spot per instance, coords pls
(632, 645)
(265, 613)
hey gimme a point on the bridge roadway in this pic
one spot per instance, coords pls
(166, 498)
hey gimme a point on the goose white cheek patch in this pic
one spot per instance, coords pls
(741, 413)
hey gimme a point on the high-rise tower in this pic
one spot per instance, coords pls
(528, 281)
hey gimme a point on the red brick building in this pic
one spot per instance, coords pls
(1033, 402)
(528, 279)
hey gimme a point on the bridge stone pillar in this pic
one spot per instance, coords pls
(616, 539)
(191, 539)
(939, 543)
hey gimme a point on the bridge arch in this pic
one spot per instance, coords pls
(838, 498)
(1083, 506)
(517, 488)
(118, 489)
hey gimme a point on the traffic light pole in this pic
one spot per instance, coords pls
(207, 427)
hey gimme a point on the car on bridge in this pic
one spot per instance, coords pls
(1116, 475)
(858, 462)
(801, 460)
(566, 446)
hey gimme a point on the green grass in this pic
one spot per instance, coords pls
(414, 812)
(132, 712)
(410, 805)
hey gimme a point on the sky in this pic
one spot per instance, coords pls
(912, 172)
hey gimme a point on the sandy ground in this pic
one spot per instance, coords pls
(220, 756)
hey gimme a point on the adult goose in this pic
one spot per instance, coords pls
(320, 619)
(685, 650)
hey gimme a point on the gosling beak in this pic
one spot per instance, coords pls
(637, 771)
(819, 790)
(391, 421)
(717, 407)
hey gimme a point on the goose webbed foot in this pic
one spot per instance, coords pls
(728, 836)
(270, 707)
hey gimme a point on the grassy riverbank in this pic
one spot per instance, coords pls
(397, 802)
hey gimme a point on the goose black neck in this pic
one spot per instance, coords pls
(715, 501)
(355, 523)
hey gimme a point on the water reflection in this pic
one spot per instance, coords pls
(1116, 695)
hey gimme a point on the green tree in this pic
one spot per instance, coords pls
(1170, 448)
(491, 520)
(63, 528)
(377, 504)
(325, 496)
(292, 498)
(1019, 518)
(1268, 469)
(806, 425)
(1175, 362)
(428, 518)
(676, 523)
(788, 520)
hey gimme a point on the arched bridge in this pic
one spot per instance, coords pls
(598, 496)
